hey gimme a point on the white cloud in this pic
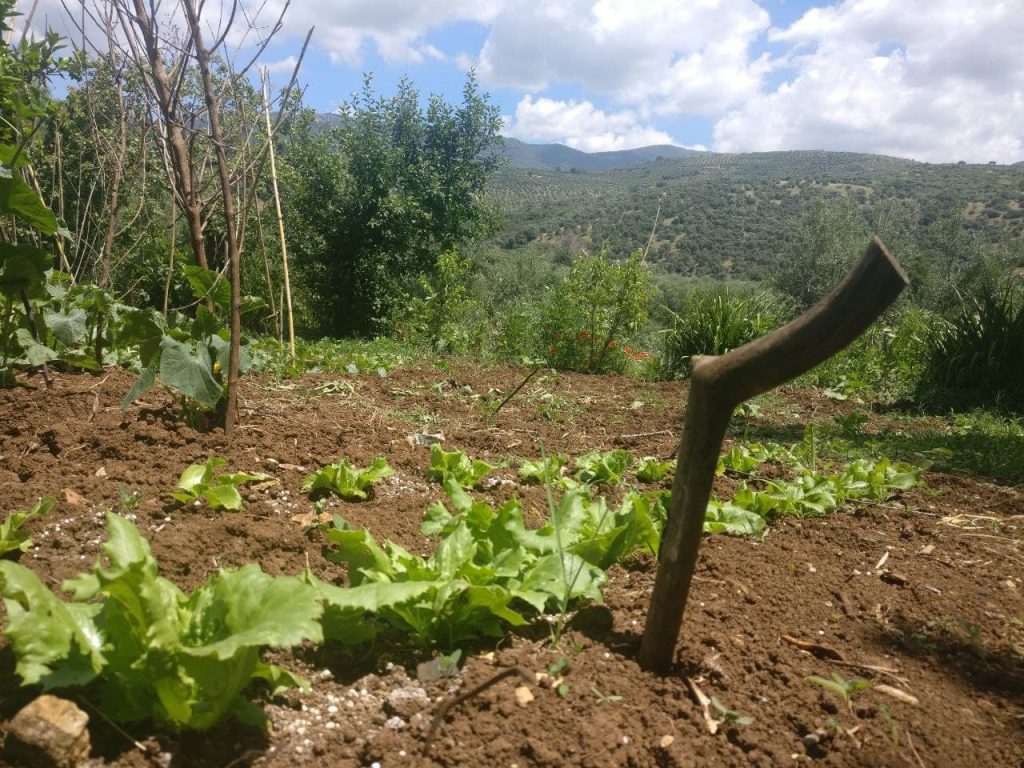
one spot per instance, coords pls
(579, 124)
(657, 55)
(396, 27)
(283, 67)
(935, 80)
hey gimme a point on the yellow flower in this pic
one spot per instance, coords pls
(216, 367)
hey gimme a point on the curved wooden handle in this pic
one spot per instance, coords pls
(717, 386)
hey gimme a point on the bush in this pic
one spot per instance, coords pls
(713, 321)
(975, 358)
(591, 315)
(886, 360)
(438, 316)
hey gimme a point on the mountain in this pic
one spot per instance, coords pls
(555, 157)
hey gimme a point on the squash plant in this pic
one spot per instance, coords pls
(29, 224)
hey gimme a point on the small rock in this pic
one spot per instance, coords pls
(406, 702)
(666, 741)
(49, 732)
(523, 695)
(101, 472)
(395, 723)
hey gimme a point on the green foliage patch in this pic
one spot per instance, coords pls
(151, 650)
(13, 537)
(218, 489)
(346, 481)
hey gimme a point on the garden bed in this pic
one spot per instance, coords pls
(922, 594)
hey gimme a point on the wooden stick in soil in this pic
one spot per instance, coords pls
(515, 391)
(280, 216)
(451, 703)
(720, 383)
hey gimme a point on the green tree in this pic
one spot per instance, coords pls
(825, 242)
(377, 198)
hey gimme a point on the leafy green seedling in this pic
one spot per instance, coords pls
(894, 727)
(343, 479)
(558, 670)
(545, 470)
(458, 466)
(606, 468)
(730, 716)
(852, 424)
(729, 517)
(439, 667)
(127, 501)
(220, 490)
(841, 687)
(559, 667)
(653, 470)
(604, 697)
(12, 534)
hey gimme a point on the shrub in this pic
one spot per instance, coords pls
(975, 358)
(886, 360)
(590, 316)
(713, 321)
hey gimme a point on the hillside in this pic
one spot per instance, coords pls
(555, 157)
(728, 215)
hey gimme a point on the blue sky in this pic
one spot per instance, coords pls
(932, 80)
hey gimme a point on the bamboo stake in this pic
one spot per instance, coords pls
(170, 260)
(717, 386)
(280, 216)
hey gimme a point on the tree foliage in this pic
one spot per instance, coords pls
(379, 196)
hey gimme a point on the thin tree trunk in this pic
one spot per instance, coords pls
(170, 260)
(231, 233)
(167, 102)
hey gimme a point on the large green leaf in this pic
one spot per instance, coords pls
(142, 327)
(209, 284)
(249, 608)
(69, 328)
(32, 352)
(23, 269)
(190, 372)
(19, 198)
(145, 382)
(54, 643)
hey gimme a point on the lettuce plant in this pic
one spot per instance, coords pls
(151, 650)
(457, 466)
(343, 479)
(12, 534)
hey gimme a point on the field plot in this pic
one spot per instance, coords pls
(889, 632)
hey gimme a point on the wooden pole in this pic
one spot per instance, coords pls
(717, 385)
(280, 216)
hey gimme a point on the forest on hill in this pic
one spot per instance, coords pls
(732, 216)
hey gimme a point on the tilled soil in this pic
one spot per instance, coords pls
(937, 628)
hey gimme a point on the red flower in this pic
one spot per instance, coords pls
(612, 344)
(553, 349)
(629, 350)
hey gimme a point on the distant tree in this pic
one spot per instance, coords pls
(378, 197)
(825, 242)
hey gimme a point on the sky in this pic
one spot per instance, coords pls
(932, 80)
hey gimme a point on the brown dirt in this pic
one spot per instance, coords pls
(943, 620)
